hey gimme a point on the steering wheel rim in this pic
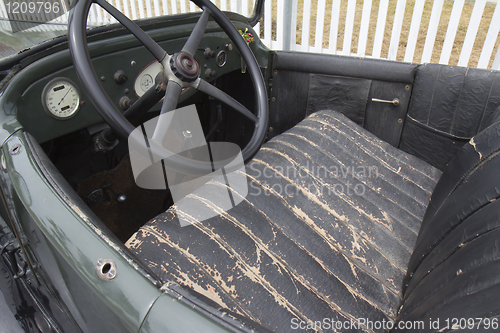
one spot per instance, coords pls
(111, 114)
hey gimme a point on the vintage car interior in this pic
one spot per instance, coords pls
(357, 209)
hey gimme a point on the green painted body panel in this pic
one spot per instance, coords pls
(64, 252)
(169, 316)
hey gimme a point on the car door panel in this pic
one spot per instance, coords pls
(63, 256)
(304, 83)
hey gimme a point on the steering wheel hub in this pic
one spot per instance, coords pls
(185, 67)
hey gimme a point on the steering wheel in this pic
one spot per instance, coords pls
(180, 70)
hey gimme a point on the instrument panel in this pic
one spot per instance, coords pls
(53, 102)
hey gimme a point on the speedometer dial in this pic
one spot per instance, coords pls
(60, 98)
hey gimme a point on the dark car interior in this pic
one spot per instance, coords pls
(413, 238)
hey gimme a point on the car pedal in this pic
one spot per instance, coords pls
(96, 196)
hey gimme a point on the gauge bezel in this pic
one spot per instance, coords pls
(44, 99)
(217, 58)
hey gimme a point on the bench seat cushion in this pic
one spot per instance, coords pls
(326, 231)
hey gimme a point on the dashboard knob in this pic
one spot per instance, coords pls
(120, 77)
(209, 73)
(209, 53)
(125, 103)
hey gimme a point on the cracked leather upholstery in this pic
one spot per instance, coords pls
(448, 106)
(454, 271)
(326, 231)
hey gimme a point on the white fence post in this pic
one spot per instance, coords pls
(183, 6)
(414, 29)
(471, 34)
(306, 22)
(430, 40)
(126, 9)
(349, 25)
(289, 24)
(496, 62)
(363, 30)
(280, 24)
(334, 27)
(268, 16)
(489, 42)
(379, 31)
(456, 12)
(396, 29)
(320, 24)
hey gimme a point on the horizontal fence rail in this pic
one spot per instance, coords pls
(446, 32)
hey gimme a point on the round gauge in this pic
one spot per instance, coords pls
(60, 98)
(146, 82)
(221, 58)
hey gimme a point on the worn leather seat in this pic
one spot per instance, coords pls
(332, 228)
(448, 106)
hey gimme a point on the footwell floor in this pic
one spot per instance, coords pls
(123, 218)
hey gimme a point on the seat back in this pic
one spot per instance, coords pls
(448, 106)
(454, 271)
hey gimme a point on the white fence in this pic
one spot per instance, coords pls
(447, 32)
(358, 21)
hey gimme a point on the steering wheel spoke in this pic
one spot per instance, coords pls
(169, 104)
(158, 52)
(216, 93)
(197, 34)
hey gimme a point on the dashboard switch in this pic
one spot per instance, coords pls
(120, 77)
(209, 74)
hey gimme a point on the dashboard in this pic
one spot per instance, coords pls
(49, 101)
